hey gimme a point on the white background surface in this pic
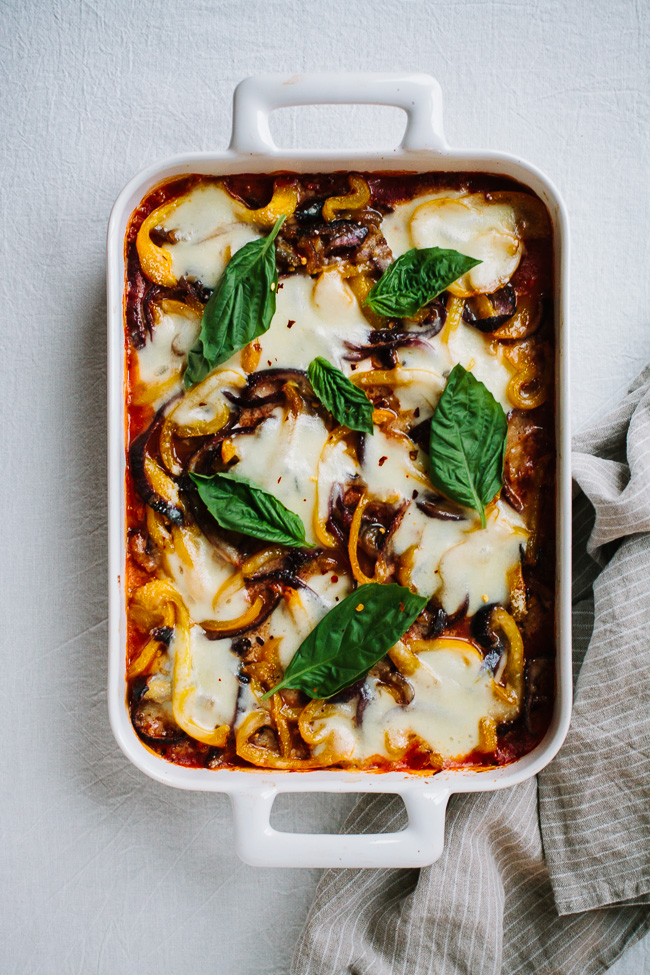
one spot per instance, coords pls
(103, 870)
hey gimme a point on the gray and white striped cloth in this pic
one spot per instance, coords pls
(551, 877)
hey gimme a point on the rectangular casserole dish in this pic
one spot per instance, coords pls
(252, 792)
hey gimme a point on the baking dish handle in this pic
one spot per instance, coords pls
(419, 845)
(419, 95)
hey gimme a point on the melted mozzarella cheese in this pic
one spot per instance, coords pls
(422, 542)
(325, 314)
(207, 233)
(452, 693)
(246, 703)
(213, 663)
(424, 387)
(388, 469)
(336, 467)
(430, 357)
(467, 223)
(432, 360)
(459, 559)
(454, 560)
(294, 619)
(477, 568)
(396, 226)
(282, 457)
(214, 679)
(476, 353)
(199, 583)
(176, 328)
(210, 402)
(477, 228)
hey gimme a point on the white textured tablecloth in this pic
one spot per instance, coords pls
(103, 871)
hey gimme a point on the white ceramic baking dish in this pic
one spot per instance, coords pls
(252, 149)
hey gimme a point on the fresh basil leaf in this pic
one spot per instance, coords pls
(351, 639)
(240, 308)
(346, 402)
(415, 279)
(238, 504)
(467, 442)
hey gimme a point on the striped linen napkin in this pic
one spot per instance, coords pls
(551, 877)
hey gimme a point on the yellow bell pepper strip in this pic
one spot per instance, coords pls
(511, 686)
(197, 399)
(156, 604)
(156, 262)
(246, 619)
(358, 197)
(282, 204)
(184, 690)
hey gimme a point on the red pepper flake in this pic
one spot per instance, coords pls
(415, 494)
(401, 607)
(280, 478)
(382, 460)
(291, 323)
(280, 286)
(269, 362)
(335, 578)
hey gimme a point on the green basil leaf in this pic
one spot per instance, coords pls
(238, 504)
(240, 308)
(346, 402)
(415, 279)
(351, 639)
(467, 442)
